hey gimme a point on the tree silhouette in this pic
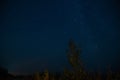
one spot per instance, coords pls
(73, 55)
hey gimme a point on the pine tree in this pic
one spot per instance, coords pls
(46, 75)
(73, 55)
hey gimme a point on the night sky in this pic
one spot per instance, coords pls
(35, 34)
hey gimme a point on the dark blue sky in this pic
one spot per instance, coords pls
(35, 33)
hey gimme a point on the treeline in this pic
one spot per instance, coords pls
(76, 73)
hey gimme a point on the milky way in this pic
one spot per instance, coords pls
(35, 34)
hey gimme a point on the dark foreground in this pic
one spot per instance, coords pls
(66, 75)
(76, 73)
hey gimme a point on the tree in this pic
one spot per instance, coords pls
(46, 73)
(73, 55)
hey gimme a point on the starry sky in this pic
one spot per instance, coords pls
(35, 34)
